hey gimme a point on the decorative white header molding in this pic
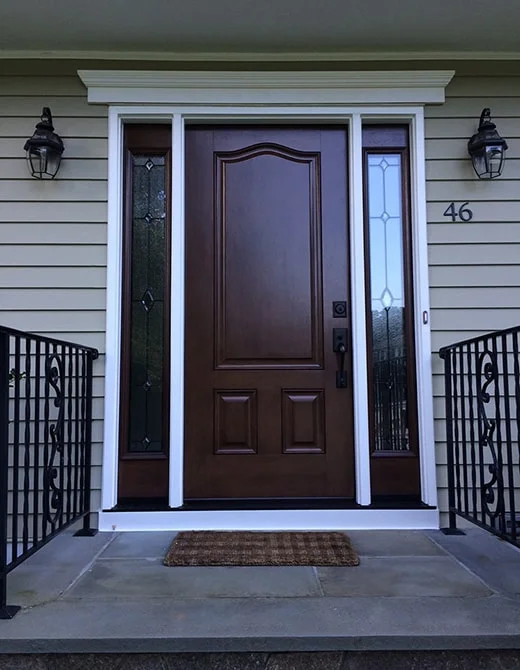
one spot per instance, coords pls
(266, 88)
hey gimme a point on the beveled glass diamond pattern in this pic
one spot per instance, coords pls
(148, 218)
(147, 301)
(146, 442)
(385, 216)
(387, 299)
(149, 165)
(383, 164)
(148, 384)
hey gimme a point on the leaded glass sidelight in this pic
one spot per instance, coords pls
(147, 304)
(387, 326)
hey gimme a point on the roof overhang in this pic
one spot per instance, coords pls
(270, 30)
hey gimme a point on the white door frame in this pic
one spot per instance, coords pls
(212, 97)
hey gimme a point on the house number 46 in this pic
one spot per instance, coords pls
(464, 213)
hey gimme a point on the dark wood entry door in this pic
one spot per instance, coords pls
(266, 257)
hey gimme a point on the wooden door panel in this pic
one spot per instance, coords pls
(268, 309)
(303, 421)
(235, 422)
(266, 254)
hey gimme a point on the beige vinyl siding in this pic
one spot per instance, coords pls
(53, 252)
(474, 266)
(53, 234)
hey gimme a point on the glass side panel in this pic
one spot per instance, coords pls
(148, 261)
(387, 295)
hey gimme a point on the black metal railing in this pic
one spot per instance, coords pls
(482, 387)
(45, 444)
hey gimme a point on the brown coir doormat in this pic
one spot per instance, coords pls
(241, 548)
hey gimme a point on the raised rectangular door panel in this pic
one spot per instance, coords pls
(266, 257)
(236, 429)
(303, 415)
(258, 275)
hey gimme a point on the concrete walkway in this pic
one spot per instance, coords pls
(413, 590)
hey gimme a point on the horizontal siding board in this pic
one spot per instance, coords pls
(467, 108)
(438, 381)
(53, 277)
(473, 232)
(474, 190)
(488, 212)
(27, 190)
(467, 297)
(444, 170)
(448, 337)
(22, 299)
(474, 319)
(439, 407)
(54, 233)
(42, 86)
(470, 275)
(55, 321)
(65, 127)
(478, 87)
(30, 107)
(464, 128)
(71, 169)
(75, 148)
(458, 148)
(53, 212)
(482, 255)
(33, 255)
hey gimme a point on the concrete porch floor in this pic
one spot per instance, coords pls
(414, 590)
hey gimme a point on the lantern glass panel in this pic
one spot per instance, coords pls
(480, 163)
(494, 160)
(43, 162)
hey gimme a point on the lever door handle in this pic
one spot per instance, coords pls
(339, 345)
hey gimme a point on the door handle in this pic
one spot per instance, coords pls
(339, 345)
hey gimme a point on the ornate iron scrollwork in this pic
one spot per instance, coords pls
(53, 486)
(493, 489)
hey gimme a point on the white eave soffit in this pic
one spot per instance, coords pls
(266, 88)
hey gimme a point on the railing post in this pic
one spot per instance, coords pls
(445, 354)
(6, 611)
(87, 531)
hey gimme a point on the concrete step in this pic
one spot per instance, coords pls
(491, 659)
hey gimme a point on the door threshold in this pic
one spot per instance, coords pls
(200, 504)
(362, 518)
(216, 504)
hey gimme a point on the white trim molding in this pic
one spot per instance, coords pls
(357, 311)
(268, 88)
(113, 313)
(344, 519)
(218, 97)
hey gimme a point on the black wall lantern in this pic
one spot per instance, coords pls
(44, 148)
(487, 148)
